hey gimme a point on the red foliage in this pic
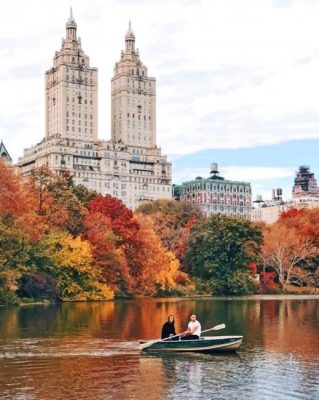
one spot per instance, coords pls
(253, 268)
(110, 260)
(268, 280)
(294, 212)
(123, 222)
(191, 222)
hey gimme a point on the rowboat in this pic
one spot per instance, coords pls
(206, 344)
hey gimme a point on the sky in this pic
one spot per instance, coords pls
(237, 80)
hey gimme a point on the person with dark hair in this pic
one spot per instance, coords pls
(168, 328)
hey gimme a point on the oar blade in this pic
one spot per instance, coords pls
(148, 344)
(218, 327)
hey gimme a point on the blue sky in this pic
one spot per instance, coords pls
(237, 80)
(266, 167)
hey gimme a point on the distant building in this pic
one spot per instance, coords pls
(305, 184)
(130, 166)
(269, 211)
(216, 195)
(4, 154)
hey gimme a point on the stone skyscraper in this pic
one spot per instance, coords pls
(130, 166)
(71, 91)
(133, 99)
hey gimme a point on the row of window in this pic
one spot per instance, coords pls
(79, 130)
(216, 187)
(226, 209)
(79, 100)
(214, 194)
(75, 69)
(79, 115)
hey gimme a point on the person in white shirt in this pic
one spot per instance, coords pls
(194, 329)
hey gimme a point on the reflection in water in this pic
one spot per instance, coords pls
(90, 351)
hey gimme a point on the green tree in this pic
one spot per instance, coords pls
(13, 254)
(220, 250)
(83, 194)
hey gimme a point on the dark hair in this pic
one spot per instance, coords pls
(170, 317)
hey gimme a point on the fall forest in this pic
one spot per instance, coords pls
(61, 242)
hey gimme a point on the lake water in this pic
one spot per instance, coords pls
(90, 351)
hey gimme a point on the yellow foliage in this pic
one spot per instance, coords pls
(77, 276)
(71, 252)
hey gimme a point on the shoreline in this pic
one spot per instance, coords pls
(186, 298)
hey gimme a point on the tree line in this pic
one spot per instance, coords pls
(60, 241)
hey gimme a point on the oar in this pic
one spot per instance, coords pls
(148, 344)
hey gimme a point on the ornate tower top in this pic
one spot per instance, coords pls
(130, 57)
(71, 27)
(129, 40)
(71, 20)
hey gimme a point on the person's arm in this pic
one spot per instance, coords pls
(163, 335)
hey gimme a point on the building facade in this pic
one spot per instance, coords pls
(130, 166)
(305, 195)
(216, 195)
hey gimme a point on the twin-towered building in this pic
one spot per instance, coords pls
(130, 166)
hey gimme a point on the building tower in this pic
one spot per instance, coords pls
(133, 99)
(71, 91)
(305, 184)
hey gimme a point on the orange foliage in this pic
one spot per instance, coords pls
(127, 248)
(287, 251)
(159, 268)
(19, 201)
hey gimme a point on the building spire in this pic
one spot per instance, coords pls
(129, 39)
(71, 26)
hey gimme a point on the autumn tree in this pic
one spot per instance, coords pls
(69, 260)
(291, 247)
(171, 222)
(220, 250)
(108, 256)
(159, 269)
(127, 249)
(13, 255)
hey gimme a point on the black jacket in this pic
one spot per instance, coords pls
(167, 330)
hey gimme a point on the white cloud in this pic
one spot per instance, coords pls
(230, 74)
(237, 173)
